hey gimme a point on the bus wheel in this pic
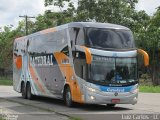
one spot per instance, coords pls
(29, 94)
(68, 97)
(23, 90)
(111, 105)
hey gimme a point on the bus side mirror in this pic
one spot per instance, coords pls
(145, 56)
(88, 55)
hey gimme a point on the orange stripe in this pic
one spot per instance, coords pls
(88, 55)
(48, 30)
(146, 56)
(41, 32)
(68, 72)
(18, 61)
(33, 74)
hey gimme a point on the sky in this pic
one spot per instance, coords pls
(10, 10)
(148, 5)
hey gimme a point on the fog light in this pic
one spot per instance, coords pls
(135, 99)
(92, 97)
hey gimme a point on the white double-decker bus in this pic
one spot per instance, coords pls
(83, 62)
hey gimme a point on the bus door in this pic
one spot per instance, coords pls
(58, 80)
(53, 79)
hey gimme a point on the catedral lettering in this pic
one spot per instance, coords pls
(41, 60)
(81, 62)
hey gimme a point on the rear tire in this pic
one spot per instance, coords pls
(28, 92)
(68, 97)
(23, 91)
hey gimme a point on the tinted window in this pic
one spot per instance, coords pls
(65, 50)
(109, 38)
(108, 70)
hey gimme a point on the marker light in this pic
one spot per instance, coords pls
(91, 89)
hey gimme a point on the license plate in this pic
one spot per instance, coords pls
(115, 100)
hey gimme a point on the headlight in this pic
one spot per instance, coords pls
(90, 89)
(135, 90)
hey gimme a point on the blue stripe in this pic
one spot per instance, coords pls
(117, 89)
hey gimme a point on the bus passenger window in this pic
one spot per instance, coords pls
(65, 50)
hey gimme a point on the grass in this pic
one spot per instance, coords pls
(146, 85)
(1, 118)
(149, 89)
(6, 82)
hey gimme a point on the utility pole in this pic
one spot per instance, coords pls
(26, 21)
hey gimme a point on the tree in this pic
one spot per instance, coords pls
(146, 31)
(6, 46)
(153, 46)
(112, 11)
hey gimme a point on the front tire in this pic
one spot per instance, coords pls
(68, 97)
(29, 94)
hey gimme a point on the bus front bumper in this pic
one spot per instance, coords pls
(111, 98)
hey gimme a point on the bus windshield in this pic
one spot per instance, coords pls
(113, 71)
(109, 38)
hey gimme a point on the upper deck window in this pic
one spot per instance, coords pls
(109, 38)
(105, 38)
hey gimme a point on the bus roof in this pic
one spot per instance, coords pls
(76, 24)
(96, 25)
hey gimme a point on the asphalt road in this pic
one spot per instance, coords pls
(148, 108)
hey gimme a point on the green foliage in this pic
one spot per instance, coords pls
(43, 21)
(6, 46)
(1, 118)
(59, 3)
(113, 11)
(149, 89)
(6, 82)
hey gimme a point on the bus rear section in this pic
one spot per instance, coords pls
(83, 62)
